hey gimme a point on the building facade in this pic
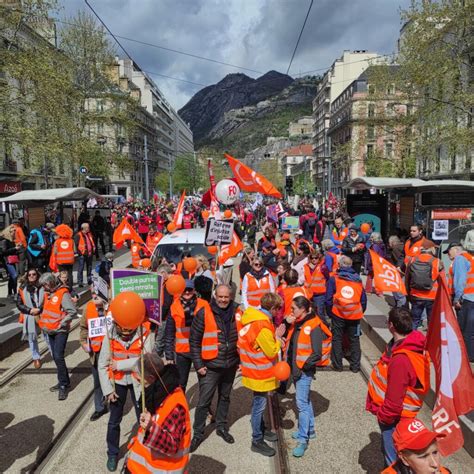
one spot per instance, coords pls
(303, 127)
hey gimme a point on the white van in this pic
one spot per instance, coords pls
(182, 242)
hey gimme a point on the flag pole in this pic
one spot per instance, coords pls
(142, 369)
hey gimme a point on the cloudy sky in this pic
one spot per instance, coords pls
(255, 34)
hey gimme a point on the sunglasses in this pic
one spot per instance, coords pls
(257, 265)
(314, 258)
(32, 274)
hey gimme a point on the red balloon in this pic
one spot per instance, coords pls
(146, 263)
(171, 227)
(190, 264)
(282, 370)
(175, 285)
(128, 310)
(212, 249)
(365, 228)
(227, 213)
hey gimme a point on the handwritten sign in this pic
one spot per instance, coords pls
(98, 326)
(219, 232)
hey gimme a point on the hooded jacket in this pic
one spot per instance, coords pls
(348, 274)
(328, 259)
(267, 342)
(401, 375)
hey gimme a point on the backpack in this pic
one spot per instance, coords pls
(97, 267)
(420, 274)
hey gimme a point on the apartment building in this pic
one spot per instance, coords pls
(339, 76)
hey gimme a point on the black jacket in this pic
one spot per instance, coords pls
(348, 244)
(227, 355)
(317, 337)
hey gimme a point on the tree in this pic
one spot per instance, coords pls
(188, 174)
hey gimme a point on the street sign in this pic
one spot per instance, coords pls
(83, 170)
(219, 232)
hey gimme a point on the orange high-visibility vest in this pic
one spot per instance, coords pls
(238, 319)
(120, 352)
(183, 331)
(303, 344)
(339, 237)
(20, 236)
(64, 251)
(414, 396)
(135, 252)
(346, 301)
(392, 469)
(82, 247)
(413, 250)
(335, 262)
(254, 363)
(451, 279)
(435, 264)
(257, 288)
(152, 240)
(315, 280)
(290, 293)
(21, 291)
(143, 460)
(210, 341)
(52, 314)
(91, 313)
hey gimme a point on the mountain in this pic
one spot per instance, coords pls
(236, 91)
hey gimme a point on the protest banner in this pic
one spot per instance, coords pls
(146, 284)
(219, 232)
(98, 326)
(290, 223)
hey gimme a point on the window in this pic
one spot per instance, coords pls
(370, 151)
(388, 150)
(391, 89)
(371, 89)
(371, 111)
(370, 132)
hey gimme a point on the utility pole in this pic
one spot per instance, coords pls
(145, 162)
(304, 177)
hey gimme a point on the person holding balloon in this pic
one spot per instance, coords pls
(259, 345)
(121, 349)
(309, 346)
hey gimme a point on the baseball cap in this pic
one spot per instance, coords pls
(411, 433)
(451, 245)
(190, 284)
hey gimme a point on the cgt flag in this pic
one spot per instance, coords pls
(231, 250)
(386, 276)
(124, 232)
(454, 379)
(251, 181)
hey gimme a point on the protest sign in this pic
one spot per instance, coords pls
(145, 284)
(219, 232)
(98, 326)
(100, 287)
(290, 223)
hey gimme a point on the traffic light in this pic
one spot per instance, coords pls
(289, 185)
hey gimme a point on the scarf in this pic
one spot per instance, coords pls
(258, 274)
(156, 393)
(189, 306)
(298, 258)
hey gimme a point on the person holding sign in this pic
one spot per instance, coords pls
(93, 327)
(119, 355)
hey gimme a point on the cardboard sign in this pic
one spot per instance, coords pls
(98, 326)
(290, 223)
(219, 232)
(146, 284)
(100, 287)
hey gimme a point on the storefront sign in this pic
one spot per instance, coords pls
(10, 187)
(453, 214)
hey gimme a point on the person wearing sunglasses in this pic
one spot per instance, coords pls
(256, 283)
(178, 328)
(30, 299)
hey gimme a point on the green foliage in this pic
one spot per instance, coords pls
(188, 174)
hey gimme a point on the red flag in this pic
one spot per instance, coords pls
(454, 379)
(124, 232)
(249, 180)
(206, 198)
(230, 250)
(212, 179)
(178, 215)
(386, 276)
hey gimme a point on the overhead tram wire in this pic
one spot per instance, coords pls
(299, 37)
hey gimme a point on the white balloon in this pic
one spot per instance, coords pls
(227, 191)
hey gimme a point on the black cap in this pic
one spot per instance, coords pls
(451, 245)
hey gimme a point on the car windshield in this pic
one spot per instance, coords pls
(175, 252)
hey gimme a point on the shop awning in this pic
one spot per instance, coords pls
(45, 196)
(363, 183)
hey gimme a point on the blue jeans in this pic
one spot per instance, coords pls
(12, 278)
(320, 306)
(305, 408)
(57, 344)
(256, 419)
(84, 261)
(33, 343)
(417, 308)
(388, 449)
(400, 300)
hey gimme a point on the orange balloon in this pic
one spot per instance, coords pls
(171, 227)
(212, 249)
(282, 370)
(175, 285)
(365, 228)
(227, 213)
(205, 214)
(190, 264)
(146, 263)
(128, 310)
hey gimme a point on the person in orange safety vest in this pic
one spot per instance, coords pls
(118, 374)
(213, 343)
(400, 380)
(162, 443)
(91, 346)
(417, 449)
(138, 253)
(152, 239)
(178, 329)
(257, 282)
(346, 302)
(62, 253)
(292, 290)
(412, 246)
(259, 345)
(316, 274)
(86, 249)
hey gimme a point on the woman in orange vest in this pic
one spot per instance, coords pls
(259, 345)
(62, 254)
(163, 440)
(291, 290)
(91, 346)
(178, 328)
(315, 276)
(55, 322)
(417, 449)
(309, 346)
(118, 375)
(256, 283)
(137, 252)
